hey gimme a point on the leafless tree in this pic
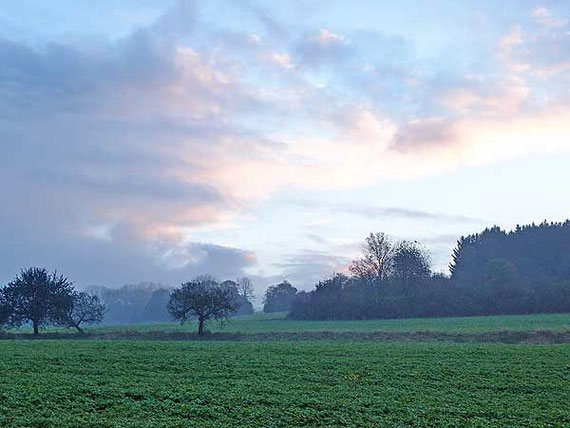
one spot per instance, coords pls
(376, 258)
(85, 309)
(245, 287)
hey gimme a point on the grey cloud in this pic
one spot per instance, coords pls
(91, 141)
(306, 268)
(373, 211)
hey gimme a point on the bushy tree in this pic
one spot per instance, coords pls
(278, 298)
(38, 297)
(410, 263)
(203, 299)
(85, 309)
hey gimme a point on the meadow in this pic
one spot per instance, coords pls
(277, 322)
(280, 384)
(96, 382)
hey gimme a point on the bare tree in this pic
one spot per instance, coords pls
(204, 299)
(245, 287)
(376, 259)
(86, 309)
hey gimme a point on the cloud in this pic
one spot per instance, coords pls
(94, 151)
(545, 17)
(376, 211)
(322, 47)
(306, 268)
(116, 151)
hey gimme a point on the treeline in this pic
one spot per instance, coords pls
(493, 272)
(146, 302)
(39, 298)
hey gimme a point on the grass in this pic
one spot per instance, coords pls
(272, 323)
(389, 373)
(282, 384)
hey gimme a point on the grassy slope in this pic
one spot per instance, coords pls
(280, 384)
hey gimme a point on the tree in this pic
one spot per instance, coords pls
(38, 297)
(375, 262)
(410, 263)
(245, 291)
(203, 298)
(244, 306)
(245, 287)
(278, 298)
(85, 309)
(4, 310)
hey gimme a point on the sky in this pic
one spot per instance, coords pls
(157, 140)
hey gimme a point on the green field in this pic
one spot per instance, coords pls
(281, 384)
(275, 382)
(262, 323)
(277, 323)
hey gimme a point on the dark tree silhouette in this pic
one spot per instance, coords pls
(4, 310)
(203, 298)
(410, 263)
(376, 258)
(38, 297)
(493, 272)
(85, 309)
(278, 298)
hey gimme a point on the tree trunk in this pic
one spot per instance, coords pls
(200, 326)
(36, 328)
(79, 329)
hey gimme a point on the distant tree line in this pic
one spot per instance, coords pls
(39, 298)
(146, 302)
(493, 272)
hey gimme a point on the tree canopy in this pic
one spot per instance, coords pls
(38, 297)
(203, 299)
(278, 298)
(492, 272)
